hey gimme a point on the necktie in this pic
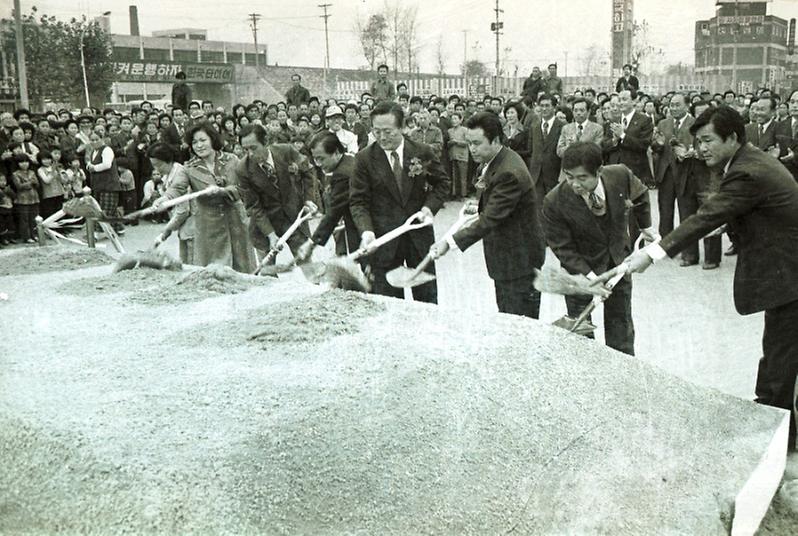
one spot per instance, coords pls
(624, 123)
(397, 172)
(597, 206)
(794, 129)
(579, 133)
(545, 128)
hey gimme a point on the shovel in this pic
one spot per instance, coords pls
(403, 277)
(307, 212)
(345, 272)
(580, 325)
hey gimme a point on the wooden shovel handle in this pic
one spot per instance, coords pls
(170, 203)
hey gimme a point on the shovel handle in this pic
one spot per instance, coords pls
(307, 212)
(412, 223)
(170, 203)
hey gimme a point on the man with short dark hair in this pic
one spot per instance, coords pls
(627, 81)
(508, 219)
(181, 92)
(673, 143)
(585, 223)
(544, 133)
(207, 107)
(394, 179)
(382, 88)
(553, 83)
(758, 200)
(272, 195)
(534, 84)
(297, 94)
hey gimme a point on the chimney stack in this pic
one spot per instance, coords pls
(134, 20)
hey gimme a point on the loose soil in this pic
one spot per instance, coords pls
(34, 259)
(149, 286)
(307, 320)
(341, 413)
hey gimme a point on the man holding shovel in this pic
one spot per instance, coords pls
(507, 224)
(394, 179)
(586, 222)
(758, 200)
(275, 182)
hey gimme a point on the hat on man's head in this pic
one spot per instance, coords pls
(332, 111)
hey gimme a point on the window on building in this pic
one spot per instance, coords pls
(186, 55)
(746, 30)
(760, 30)
(721, 30)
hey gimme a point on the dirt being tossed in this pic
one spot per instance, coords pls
(34, 260)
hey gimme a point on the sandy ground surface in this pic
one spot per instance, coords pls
(685, 321)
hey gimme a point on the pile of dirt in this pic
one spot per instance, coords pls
(141, 281)
(307, 320)
(349, 414)
(160, 287)
(34, 260)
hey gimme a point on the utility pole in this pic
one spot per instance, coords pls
(254, 17)
(22, 73)
(496, 27)
(327, 43)
(83, 68)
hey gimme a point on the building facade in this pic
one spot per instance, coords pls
(744, 44)
(145, 67)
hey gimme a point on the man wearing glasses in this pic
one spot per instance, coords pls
(394, 179)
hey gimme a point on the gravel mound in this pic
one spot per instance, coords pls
(34, 260)
(342, 413)
(307, 320)
(161, 287)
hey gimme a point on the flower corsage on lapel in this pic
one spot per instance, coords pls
(418, 168)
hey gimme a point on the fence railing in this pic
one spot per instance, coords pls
(508, 87)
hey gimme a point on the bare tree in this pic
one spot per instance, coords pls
(391, 34)
(373, 39)
(643, 52)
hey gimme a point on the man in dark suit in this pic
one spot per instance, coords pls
(631, 137)
(544, 133)
(174, 135)
(787, 136)
(181, 92)
(761, 132)
(507, 224)
(330, 155)
(758, 199)
(673, 143)
(275, 182)
(394, 179)
(585, 220)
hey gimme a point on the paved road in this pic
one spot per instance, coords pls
(684, 317)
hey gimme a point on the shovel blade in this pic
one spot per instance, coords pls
(568, 323)
(339, 272)
(402, 277)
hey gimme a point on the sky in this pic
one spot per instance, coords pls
(537, 32)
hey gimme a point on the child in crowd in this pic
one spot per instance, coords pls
(73, 178)
(26, 204)
(6, 211)
(127, 197)
(153, 189)
(50, 185)
(458, 156)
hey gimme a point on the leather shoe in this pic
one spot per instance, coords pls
(731, 251)
(688, 262)
(710, 265)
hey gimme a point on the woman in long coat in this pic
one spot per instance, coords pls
(220, 224)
